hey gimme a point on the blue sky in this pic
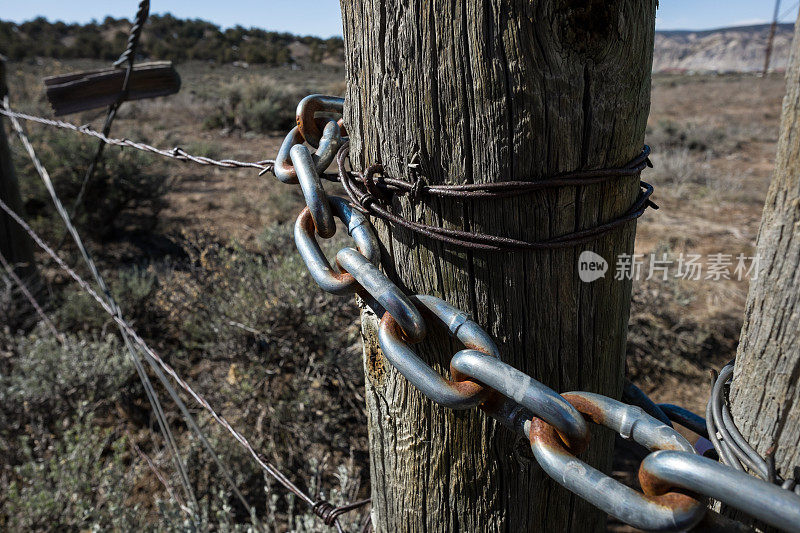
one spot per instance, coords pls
(322, 17)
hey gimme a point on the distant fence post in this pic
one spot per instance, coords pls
(14, 243)
(765, 395)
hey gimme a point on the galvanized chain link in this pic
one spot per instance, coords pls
(674, 478)
(321, 508)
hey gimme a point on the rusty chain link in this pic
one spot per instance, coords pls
(674, 478)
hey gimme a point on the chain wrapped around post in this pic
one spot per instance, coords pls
(674, 478)
(555, 424)
(668, 511)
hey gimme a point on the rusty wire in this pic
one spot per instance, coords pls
(128, 57)
(371, 195)
(175, 153)
(323, 509)
(517, 400)
(668, 469)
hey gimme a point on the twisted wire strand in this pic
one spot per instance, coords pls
(135, 33)
(128, 56)
(134, 355)
(175, 153)
(221, 420)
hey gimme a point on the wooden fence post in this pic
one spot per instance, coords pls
(765, 395)
(489, 91)
(15, 245)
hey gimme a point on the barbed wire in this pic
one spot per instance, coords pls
(176, 153)
(150, 392)
(553, 423)
(320, 507)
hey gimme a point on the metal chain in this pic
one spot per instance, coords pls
(549, 420)
(323, 509)
(674, 477)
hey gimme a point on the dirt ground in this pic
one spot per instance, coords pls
(713, 139)
(714, 142)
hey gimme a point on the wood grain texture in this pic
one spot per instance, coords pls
(766, 394)
(486, 91)
(80, 91)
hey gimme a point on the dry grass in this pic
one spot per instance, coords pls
(230, 304)
(714, 140)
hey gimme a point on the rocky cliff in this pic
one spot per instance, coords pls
(737, 49)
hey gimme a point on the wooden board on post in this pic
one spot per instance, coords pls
(81, 91)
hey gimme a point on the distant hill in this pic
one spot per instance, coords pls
(736, 49)
(164, 37)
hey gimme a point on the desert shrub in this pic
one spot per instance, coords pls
(259, 105)
(125, 189)
(77, 481)
(282, 350)
(251, 332)
(133, 288)
(690, 136)
(47, 376)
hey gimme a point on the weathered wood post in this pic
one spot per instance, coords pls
(14, 243)
(765, 394)
(490, 91)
